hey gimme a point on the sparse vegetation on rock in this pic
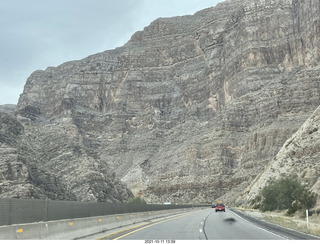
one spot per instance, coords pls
(287, 193)
(137, 200)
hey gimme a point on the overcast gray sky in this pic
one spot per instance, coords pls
(36, 34)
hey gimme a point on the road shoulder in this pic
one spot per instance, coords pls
(258, 219)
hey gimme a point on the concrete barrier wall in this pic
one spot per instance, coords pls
(69, 229)
(19, 211)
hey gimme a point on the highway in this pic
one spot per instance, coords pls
(197, 225)
(185, 222)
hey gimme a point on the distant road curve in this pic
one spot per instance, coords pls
(208, 225)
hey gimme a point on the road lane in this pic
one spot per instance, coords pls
(229, 226)
(185, 227)
(201, 225)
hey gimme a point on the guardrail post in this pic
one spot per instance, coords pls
(10, 210)
(45, 217)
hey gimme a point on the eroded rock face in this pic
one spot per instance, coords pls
(44, 161)
(8, 109)
(191, 109)
(14, 175)
(298, 156)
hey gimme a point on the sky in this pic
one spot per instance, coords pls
(36, 34)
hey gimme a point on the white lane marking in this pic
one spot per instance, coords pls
(154, 223)
(282, 236)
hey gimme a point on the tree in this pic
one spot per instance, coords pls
(287, 193)
(137, 200)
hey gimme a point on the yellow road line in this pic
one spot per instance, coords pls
(159, 222)
(107, 236)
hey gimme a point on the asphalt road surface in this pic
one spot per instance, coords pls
(199, 225)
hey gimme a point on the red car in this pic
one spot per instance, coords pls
(220, 207)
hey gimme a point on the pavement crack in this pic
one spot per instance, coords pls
(202, 231)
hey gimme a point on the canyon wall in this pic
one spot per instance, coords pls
(190, 110)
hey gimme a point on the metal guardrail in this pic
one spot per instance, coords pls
(20, 211)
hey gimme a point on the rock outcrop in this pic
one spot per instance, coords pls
(191, 109)
(13, 172)
(299, 156)
(8, 109)
(43, 161)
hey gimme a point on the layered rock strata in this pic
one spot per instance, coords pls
(191, 109)
(298, 156)
(46, 162)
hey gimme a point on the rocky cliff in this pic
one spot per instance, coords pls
(298, 156)
(13, 173)
(43, 161)
(8, 109)
(191, 109)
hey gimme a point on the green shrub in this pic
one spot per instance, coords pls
(137, 200)
(256, 203)
(286, 193)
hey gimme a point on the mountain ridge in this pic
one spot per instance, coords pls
(190, 109)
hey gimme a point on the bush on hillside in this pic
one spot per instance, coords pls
(287, 193)
(137, 200)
